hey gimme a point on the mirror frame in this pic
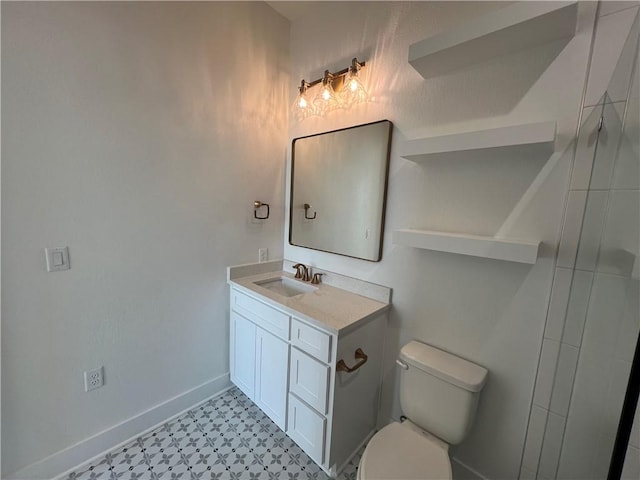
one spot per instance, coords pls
(384, 195)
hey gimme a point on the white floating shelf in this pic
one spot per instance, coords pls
(507, 30)
(520, 251)
(530, 139)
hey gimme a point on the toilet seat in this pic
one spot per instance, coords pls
(398, 452)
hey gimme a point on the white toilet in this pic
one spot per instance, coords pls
(439, 395)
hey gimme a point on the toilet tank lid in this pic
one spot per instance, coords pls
(445, 366)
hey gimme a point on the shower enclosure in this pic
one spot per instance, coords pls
(594, 319)
(602, 315)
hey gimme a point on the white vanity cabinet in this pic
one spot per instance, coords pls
(286, 364)
(259, 356)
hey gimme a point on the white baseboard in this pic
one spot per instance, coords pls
(464, 472)
(335, 472)
(72, 458)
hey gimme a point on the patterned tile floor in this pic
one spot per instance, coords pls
(227, 437)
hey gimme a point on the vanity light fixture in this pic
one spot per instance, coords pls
(339, 90)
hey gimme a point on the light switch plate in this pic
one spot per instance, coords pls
(57, 259)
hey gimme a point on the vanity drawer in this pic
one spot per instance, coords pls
(311, 340)
(272, 320)
(306, 428)
(309, 380)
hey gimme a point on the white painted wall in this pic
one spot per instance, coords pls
(490, 312)
(138, 134)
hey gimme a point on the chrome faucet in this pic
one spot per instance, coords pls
(303, 272)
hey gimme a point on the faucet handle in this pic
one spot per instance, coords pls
(307, 274)
(316, 278)
(301, 270)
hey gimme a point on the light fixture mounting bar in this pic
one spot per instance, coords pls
(333, 76)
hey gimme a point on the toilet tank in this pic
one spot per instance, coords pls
(439, 391)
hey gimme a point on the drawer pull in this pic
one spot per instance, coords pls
(341, 366)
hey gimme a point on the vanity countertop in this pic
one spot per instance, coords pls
(328, 307)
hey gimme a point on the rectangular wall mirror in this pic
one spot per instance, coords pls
(339, 189)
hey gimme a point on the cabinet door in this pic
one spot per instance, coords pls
(243, 353)
(272, 365)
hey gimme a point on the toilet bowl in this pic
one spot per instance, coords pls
(401, 451)
(439, 395)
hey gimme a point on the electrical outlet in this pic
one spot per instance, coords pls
(93, 379)
(263, 254)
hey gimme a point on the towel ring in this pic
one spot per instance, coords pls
(307, 207)
(256, 206)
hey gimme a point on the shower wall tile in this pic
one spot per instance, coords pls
(631, 470)
(618, 382)
(601, 305)
(526, 474)
(586, 148)
(552, 446)
(582, 436)
(608, 7)
(546, 373)
(571, 230)
(577, 310)
(627, 168)
(602, 457)
(606, 310)
(621, 239)
(592, 226)
(563, 384)
(618, 261)
(612, 32)
(629, 323)
(535, 435)
(608, 142)
(558, 303)
(619, 84)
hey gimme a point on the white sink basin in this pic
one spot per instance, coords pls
(285, 286)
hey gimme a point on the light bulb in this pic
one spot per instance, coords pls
(302, 107)
(354, 92)
(326, 100)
